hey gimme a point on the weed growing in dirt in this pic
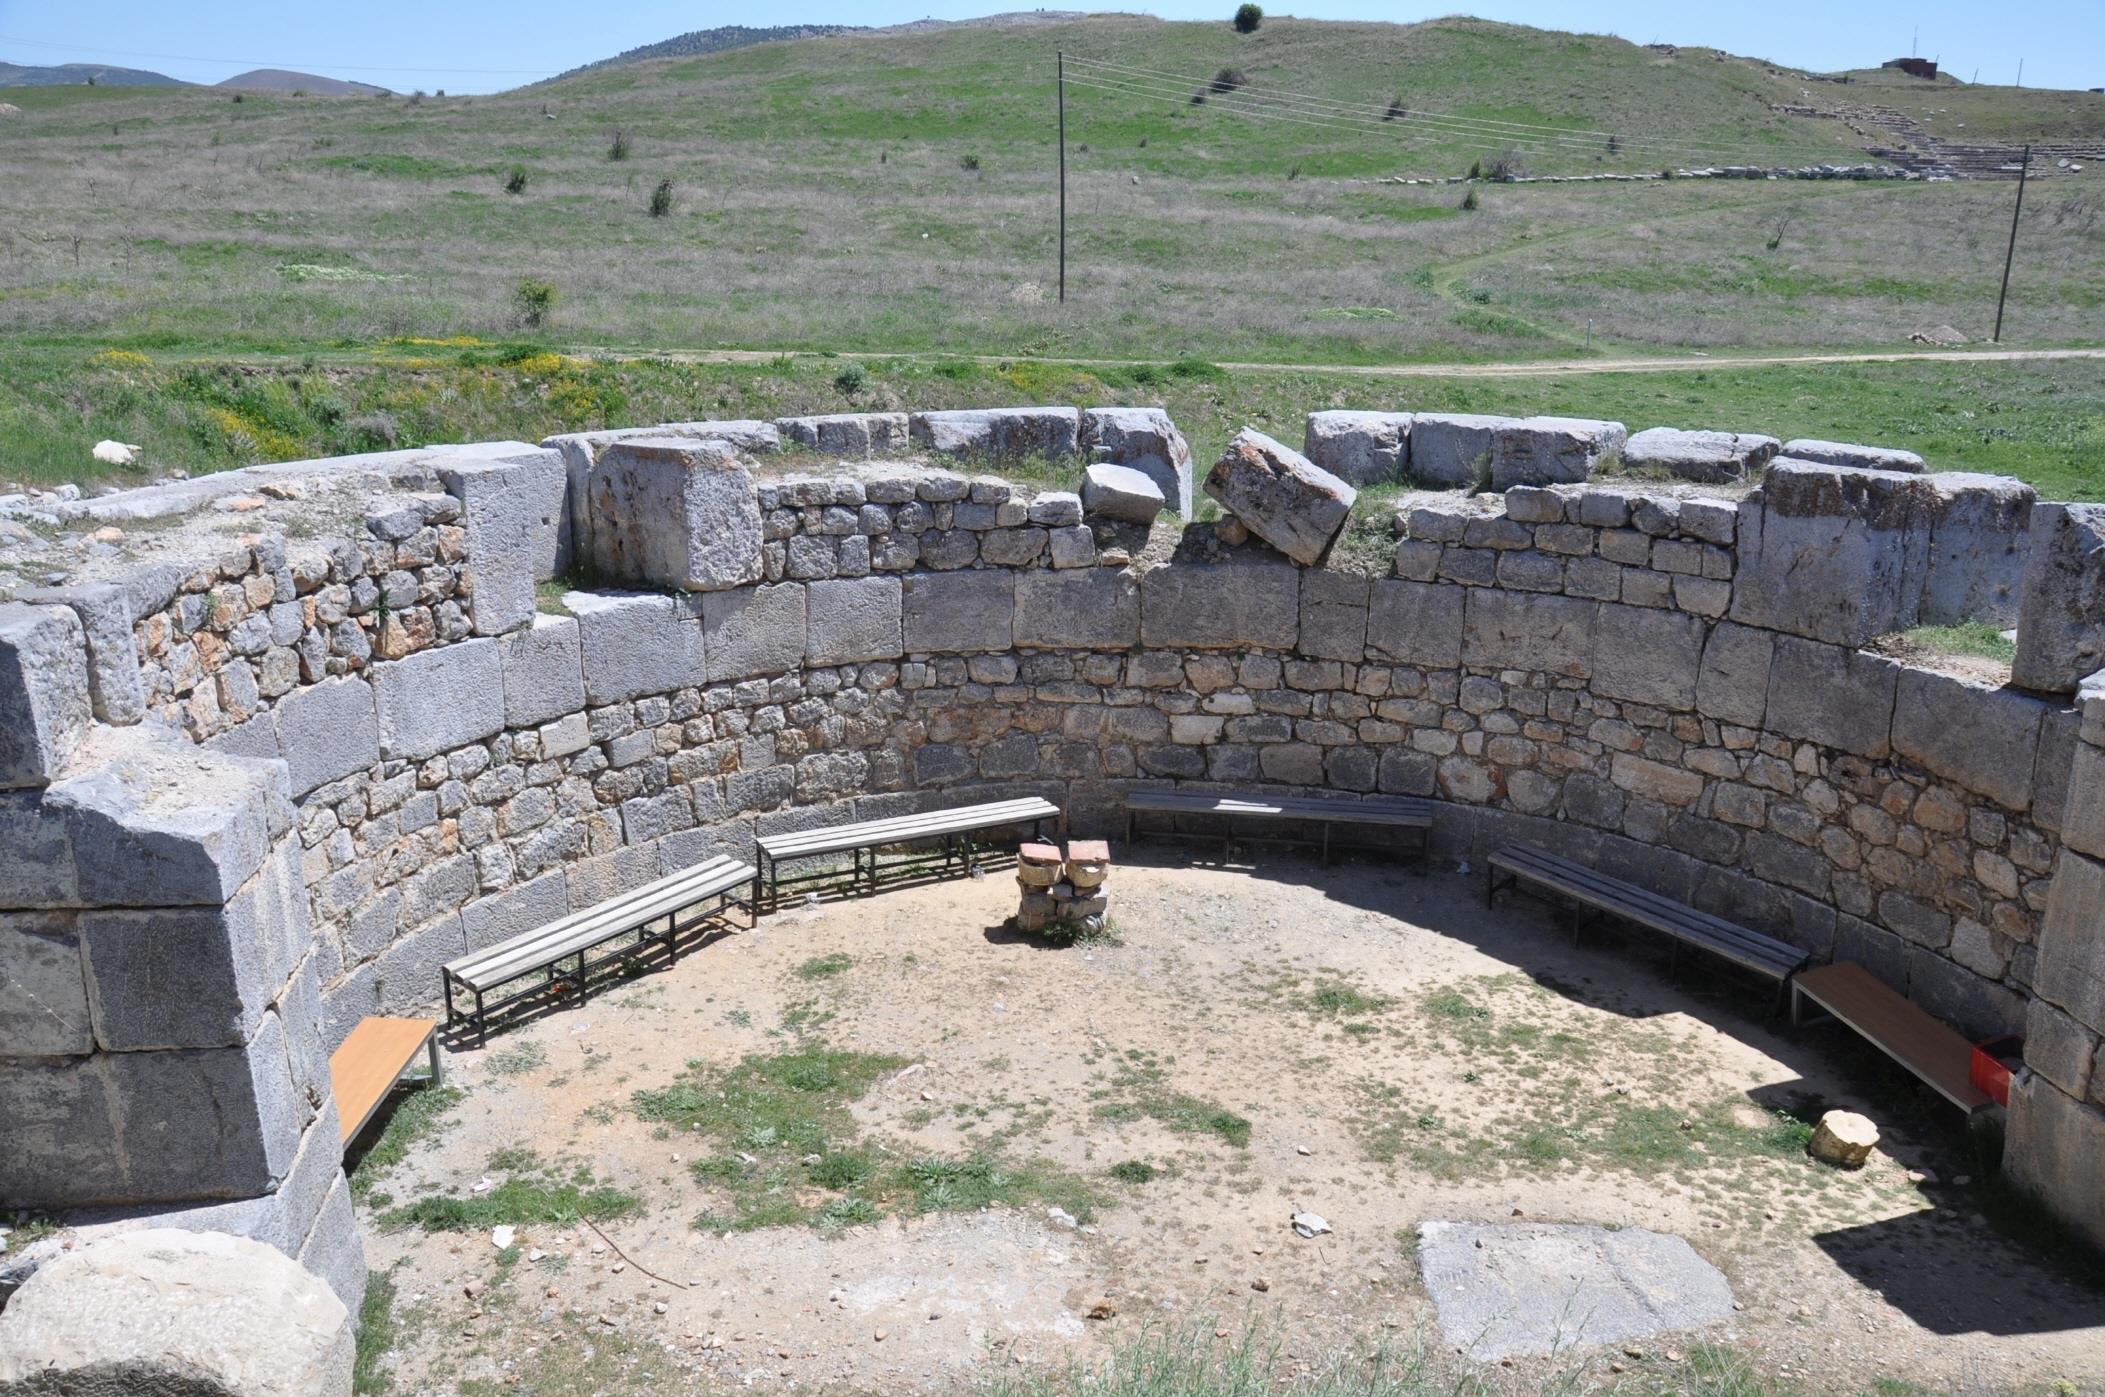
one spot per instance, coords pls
(1134, 1171)
(517, 1059)
(1139, 1089)
(376, 1336)
(1980, 639)
(825, 967)
(417, 1118)
(549, 1197)
(1333, 999)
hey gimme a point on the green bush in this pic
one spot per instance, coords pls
(1247, 18)
(534, 299)
(515, 182)
(661, 199)
(618, 148)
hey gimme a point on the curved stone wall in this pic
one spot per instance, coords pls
(1670, 688)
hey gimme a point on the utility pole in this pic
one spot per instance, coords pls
(1064, 177)
(2020, 72)
(2011, 252)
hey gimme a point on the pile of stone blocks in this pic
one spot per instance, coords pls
(1065, 892)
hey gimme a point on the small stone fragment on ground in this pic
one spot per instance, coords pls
(1844, 1139)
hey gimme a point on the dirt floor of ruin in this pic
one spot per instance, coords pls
(889, 1145)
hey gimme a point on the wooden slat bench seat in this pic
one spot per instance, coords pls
(1896, 1026)
(1601, 895)
(955, 827)
(366, 1066)
(1409, 815)
(560, 953)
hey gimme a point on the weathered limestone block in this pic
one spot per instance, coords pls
(437, 700)
(1985, 739)
(515, 911)
(2059, 1049)
(1709, 458)
(1452, 448)
(2071, 971)
(1832, 554)
(2083, 811)
(1365, 448)
(1551, 450)
(1648, 655)
(105, 612)
(855, 435)
(1980, 533)
(1417, 623)
(513, 505)
(45, 708)
(1051, 432)
(1334, 615)
(43, 990)
(2054, 1152)
(1236, 605)
(1086, 609)
(1120, 492)
(36, 852)
(637, 643)
(1297, 507)
(1849, 456)
(2061, 615)
(167, 1311)
(1142, 439)
(1733, 683)
(1831, 695)
(853, 620)
(327, 731)
(754, 630)
(1844, 1139)
(544, 672)
(675, 513)
(959, 611)
(1520, 631)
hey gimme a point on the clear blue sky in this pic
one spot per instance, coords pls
(485, 45)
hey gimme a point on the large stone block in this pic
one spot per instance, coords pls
(2071, 972)
(1980, 532)
(327, 731)
(2083, 809)
(1452, 448)
(1979, 1008)
(856, 435)
(1551, 450)
(1985, 739)
(1709, 458)
(1121, 492)
(1833, 554)
(2061, 613)
(515, 911)
(45, 707)
(959, 611)
(43, 989)
(1416, 623)
(513, 502)
(1142, 439)
(637, 643)
(1834, 696)
(1850, 456)
(1509, 630)
(1246, 603)
(1334, 615)
(2059, 1049)
(105, 613)
(1025, 432)
(2055, 1150)
(1733, 684)
(754, 630)
(1648, 656)
(1083, 609)
(1286, 500)
(406, 976)
(168, 1311)
(438, 700)
(853, 620)
(36, 852)
(1365, 448)
(544, 672)
(334, 1250)
(677, 513)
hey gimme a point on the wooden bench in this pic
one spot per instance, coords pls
(1601, 896)
(955, 827)
(1896, 1026)
(561, 952)
(365, 1066)
(1409, 815)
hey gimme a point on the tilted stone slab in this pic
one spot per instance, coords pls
(1246, 603)
(327, 731)
(1084, 609)
(43, 990)
(1142, 439)
(105, 613)
(1648, 655)
(544, 672)
(1833, 696)
(2061, 613)
(1984, 738)
(1551, 450)
(753, 631)
(1708, 458)
(439, 699)
(959, 611)
(854, 620)
(1516, 630)
(1365, 448)
(1120, 492)
(1850, 456)
(1285, 499)
(45, 707)
(670, 512)
(637, 643)
(1452, 448)
(1416, 623)
(1980, 537)
(1832, 554)
(514, 499)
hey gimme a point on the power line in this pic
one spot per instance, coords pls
(273, 63)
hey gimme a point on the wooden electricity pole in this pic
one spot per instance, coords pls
(2010, 252)
(1062, 83)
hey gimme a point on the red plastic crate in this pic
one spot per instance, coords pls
(1993, 1062)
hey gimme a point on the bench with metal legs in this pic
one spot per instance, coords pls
(1409, 816)
(863, 841)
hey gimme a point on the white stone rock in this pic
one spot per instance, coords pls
(1709, 458)
(1120, 492)
(1844, 1139)
(1284, 498)
(675, 513)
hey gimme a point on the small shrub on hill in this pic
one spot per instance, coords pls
(1247, 18)
(534, 299)
(515, 182)
(661, 199)
(618, 148)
